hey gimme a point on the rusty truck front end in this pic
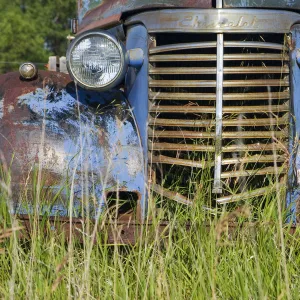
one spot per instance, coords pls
(162, 96)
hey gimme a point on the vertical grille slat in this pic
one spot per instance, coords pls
(255, 108)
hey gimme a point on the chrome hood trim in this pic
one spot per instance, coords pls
(217, 20)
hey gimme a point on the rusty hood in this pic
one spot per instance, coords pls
(105, 12)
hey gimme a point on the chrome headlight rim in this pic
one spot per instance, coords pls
(124, 60)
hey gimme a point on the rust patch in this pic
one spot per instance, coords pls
(109, 10)
(51, 132)
(107, 23)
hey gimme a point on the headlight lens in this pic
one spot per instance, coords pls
(96, 60)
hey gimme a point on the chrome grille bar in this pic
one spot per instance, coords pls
(228, 109)
(212, 96)
(212, 83)
(204, 148)
(213, 44)
(199, 164)
(231, 70)
(209, 135)
(212, 57)
(217, 186)
(209, 123)
(190, 112)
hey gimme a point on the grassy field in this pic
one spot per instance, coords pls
(260, 261)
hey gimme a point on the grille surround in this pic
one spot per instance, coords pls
(269, 60)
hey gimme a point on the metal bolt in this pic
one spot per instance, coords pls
(28, 70)
(136, 57)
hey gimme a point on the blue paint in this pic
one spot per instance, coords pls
(137, 88)
(97, 149)
(293, 193)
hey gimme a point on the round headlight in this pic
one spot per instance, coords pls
(96, 60)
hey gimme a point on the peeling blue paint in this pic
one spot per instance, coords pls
(293, 193)
(91, 145)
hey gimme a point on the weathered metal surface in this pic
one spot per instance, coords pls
(170, 194)
(227, 109)
(212, 83)
(168, 134)
(137, 83)
(202, 164)
(255, 158)
(114, 232)
(228, 70)
(212, 96)
(101, 12)
(213, 57)
(131, 232)
(217, 185)
(253, 172)
(228, 44)
(242, 196)
(258, 147)
(136, 58)
(217, 21)
(182, 108)
(110, 22)
(161, 159)
(283, 4)
(68, 146)
(210, 123)
(28, 71)
(293, 193)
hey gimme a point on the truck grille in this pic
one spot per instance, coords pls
(255, 114)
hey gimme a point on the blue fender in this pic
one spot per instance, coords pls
(67, 147)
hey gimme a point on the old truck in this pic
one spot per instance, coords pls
(161, 96)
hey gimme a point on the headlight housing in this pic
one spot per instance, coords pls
(97, 60)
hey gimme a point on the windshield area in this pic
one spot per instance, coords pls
(85, 5)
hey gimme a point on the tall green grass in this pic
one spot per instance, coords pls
(201, 262)
(259, 259)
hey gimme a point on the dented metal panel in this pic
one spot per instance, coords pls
(93, 11)
(68, 146)
(293, 194)
(284, 4)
